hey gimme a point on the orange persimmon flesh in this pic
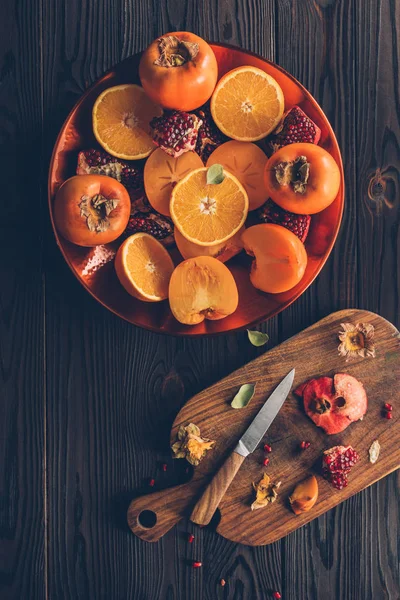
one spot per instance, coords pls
(222, 252)
(202, 288)
(247, 162)
(162, 172)
(280, 257)
(304, 495)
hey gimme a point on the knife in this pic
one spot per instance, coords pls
(214, 492)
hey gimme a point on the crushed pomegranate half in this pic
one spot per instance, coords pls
(337, 463)
(176, 131)
(209, 136)
(334, 403)
(272, 213)
(98, 162)
(294, 127)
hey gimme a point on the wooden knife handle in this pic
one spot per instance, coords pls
(214, 492)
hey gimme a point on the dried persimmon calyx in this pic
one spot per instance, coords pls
(266, 492)
(191, 445)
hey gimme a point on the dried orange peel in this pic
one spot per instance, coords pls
(191, 445)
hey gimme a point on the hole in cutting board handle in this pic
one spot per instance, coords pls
(147, 519)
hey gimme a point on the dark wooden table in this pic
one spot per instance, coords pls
(87, 400)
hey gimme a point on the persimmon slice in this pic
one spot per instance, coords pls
(247, 104)
(144, 267)
(247, 162)
(121, 121)
(280, 257)
(208, 214)
(222, 252)
(162, 172)
(202, 288)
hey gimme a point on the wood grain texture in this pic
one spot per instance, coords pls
(313, 352)
(111, 391)
(22, 501)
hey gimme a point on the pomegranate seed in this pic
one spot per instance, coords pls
(164, 467)
(222, 582)
(388, 407)
(190, 538)
(389, 415)
(196, 564)
(267, 448)
(152, 482)
(305, 445)
(277, 595)
(266, 462)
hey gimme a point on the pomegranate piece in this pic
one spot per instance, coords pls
(272, 213)
(176, 132)
(294, 127)
(145, 219)
(98, 162)
(209, 136)
(333, 404)
(337, 463)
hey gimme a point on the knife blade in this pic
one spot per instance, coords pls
(261, 422)
(214, 492)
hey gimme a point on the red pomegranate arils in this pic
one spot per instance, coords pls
(388, 415)
(176, 132)
(297, 224)
(164, 467)
(388, 407)
(196, 564)
(295, 126)
(305, 445)
(190, 538)
(222, 582)
(277, 595)
(266, 462)
(267, 448)
(337, 463)
(152, 482)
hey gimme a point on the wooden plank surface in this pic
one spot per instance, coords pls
(88, 400)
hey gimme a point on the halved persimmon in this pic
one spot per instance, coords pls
(247, 162)
(222, 252)
(144, 267)
(162, 172)
(280, 258)
(202, 288)
(302, 178)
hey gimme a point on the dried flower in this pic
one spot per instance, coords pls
(190, 444)
(374, 450)
(356, 340)
(266, 492)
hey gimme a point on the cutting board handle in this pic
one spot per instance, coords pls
(214, 492)
(152, 516)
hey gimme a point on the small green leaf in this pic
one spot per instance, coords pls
(257, 338)
(215, 174)
(244, 395)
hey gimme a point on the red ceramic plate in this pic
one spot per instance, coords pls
(95, 269)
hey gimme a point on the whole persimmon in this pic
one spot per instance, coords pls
(302, 178)
(179, 71)
(202, 288)
(91, 209)
(280, 258)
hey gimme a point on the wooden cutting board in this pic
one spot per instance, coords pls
(313, 353)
